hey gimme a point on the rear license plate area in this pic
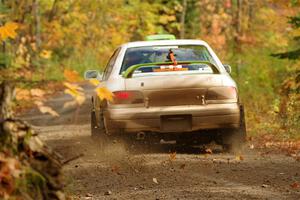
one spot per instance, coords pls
(175, 123)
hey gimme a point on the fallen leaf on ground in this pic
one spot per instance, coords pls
(108, 192)
(115, 169)
(239, 158)
(88, 195)
(155, 180)
(37, 92)
(208, 151)
(172, 156)
(269, 144)
(295, 185)
(182, 166)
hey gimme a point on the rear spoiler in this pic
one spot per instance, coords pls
(129, 72)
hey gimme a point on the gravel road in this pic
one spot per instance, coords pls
(158, 172)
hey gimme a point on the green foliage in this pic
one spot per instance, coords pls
(82, 34)
(31, 184)
(290, 88)
(295, 21)
(293, 54)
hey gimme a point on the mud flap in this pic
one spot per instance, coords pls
(233, 139)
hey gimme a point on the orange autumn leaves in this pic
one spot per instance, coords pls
(37, 96)
(71, 76)
(72, 88)
(77, 92)
(8, 31)
(10, 170)
(102, 92)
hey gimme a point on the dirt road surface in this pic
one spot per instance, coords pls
(157, 173)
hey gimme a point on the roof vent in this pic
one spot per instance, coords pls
(160, 37)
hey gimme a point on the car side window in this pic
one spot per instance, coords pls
(110, 64)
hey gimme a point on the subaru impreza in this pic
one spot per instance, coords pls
(168, 89)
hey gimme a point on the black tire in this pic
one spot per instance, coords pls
(98, 131)
(234, 139)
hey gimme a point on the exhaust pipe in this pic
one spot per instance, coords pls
(140, 136)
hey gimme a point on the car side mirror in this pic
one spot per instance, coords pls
(92, 74)
(228, 68)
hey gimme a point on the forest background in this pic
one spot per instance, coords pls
(259, 39)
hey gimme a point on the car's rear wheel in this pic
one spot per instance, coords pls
(98, 131)
(233, 139)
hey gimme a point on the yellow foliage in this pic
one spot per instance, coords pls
(73, 87)
(104, 93)
(37, 93)
(80, 99)
(46, 54)
(94, 82)
(22, 94)
(76, 92)
(165, 19)
(296, 32)
(8, 31)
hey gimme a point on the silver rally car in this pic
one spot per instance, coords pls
(172, 89)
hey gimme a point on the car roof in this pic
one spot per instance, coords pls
(163, 42)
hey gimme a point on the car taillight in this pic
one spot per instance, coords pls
(222, 93)
(122, 95)
(128, 97)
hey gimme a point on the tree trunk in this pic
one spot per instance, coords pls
(182, 20)
(3, 43)
(37, 23)
(53, 11)
(239, 17)
(22, 145)
(6, 97)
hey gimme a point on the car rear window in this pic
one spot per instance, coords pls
(154, 54)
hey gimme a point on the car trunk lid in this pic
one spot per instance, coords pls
(173, 90)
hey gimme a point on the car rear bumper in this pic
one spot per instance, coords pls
(136, 119)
